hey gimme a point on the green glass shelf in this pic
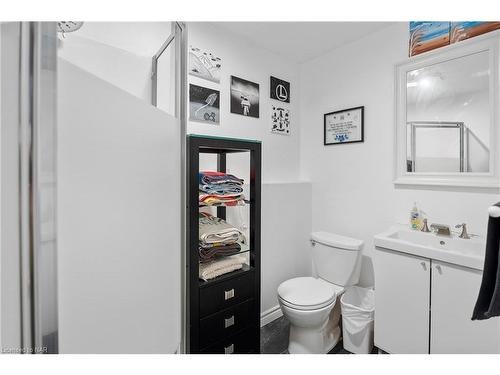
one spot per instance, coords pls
(223, 138)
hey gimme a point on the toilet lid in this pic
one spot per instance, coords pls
(308, 292)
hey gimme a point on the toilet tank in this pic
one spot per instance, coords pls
(336, 258)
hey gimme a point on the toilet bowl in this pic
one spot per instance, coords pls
(312, 304)
(309, 304)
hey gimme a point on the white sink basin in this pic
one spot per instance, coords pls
(451, 249)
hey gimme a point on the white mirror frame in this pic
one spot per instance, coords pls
(488, 42)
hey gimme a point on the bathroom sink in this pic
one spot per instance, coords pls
(451, 249)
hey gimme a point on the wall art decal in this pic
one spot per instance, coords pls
(204, 64)
(280, 90)
(244, 97)
(465, 30)
(346, 126)
(280, 120)
(203, 104)
(426, 36)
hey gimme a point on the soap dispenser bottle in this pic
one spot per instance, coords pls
(415, 218)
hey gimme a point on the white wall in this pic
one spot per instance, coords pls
(285, 200)
(286, 225)
(118, 210)
(352, 189)
(280, 154)
(117, 52)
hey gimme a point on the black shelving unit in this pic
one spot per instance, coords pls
(223, 314)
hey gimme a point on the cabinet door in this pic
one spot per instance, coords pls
(454, 293)
(402, 287)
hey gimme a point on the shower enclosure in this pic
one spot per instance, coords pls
(435, 146)
(92, 188)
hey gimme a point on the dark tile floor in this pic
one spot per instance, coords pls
(274, 339)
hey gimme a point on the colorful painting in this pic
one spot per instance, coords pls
(204, 64)
(426, 36)
(465, 30)
(280, 120)
(203, 105)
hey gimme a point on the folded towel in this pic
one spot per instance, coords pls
(488, 301)
(214, 230)
(221, 189)
(210, 177)
(203, 196)
(212, 252)
(216, 268)
(222, 200)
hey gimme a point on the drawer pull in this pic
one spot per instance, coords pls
(229, 349)
(228, 294)
(228, 322)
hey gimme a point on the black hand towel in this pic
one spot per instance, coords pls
(488, 301)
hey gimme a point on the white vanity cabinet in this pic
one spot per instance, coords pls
(402, 297)
(424, 306)
(454, 290)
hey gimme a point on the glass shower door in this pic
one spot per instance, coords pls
(120, 197)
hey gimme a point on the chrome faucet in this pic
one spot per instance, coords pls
(425, 228)
(464, 233)
(441, 229)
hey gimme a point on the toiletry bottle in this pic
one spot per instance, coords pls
(415, 218)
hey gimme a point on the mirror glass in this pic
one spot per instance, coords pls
(448, 116)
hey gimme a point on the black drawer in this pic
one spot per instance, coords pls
(225, 323)
(214, 298)
(244, 342)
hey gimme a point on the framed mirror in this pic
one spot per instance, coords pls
(447, 130)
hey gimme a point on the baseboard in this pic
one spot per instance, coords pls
(269, 315)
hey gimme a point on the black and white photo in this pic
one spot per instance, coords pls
(204, 104)
(204, 64)
(280, 90)
(244, 97)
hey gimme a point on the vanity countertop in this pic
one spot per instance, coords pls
(450, 249)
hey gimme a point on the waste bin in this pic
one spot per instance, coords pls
(358, 308)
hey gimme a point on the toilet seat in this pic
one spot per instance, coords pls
(308, 293)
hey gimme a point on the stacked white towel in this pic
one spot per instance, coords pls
(216, 268)
(214, 230)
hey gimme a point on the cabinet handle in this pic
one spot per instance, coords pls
(424, 265)
(438, 267)
(228, 322)
(229, 349)
(228, 294)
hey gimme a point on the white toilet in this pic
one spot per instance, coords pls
(312, 304)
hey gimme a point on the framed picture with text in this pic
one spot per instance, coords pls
(346, 126)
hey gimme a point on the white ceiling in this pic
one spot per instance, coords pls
(301, 41)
